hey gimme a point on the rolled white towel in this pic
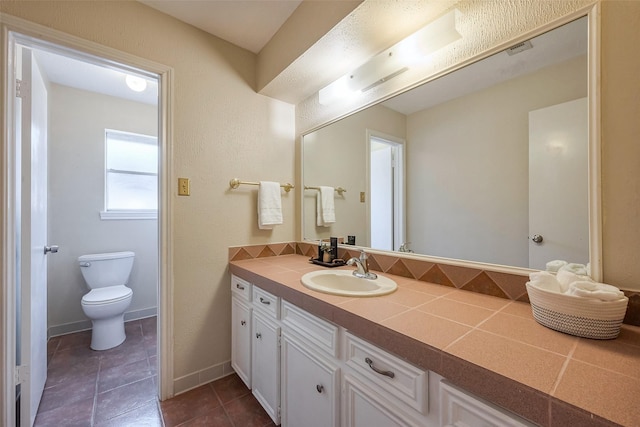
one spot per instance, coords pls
(545, 280)
(555, 265)
(575, 268)
(594, 290)
(566, 278)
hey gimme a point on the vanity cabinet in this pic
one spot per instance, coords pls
(255, 342)
(307, 371)
(241, 328)
(310, 370)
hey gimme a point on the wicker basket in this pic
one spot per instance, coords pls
(577, 316)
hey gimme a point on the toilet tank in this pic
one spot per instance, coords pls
(108, 269)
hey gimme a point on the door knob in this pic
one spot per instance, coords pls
(53, 249)
(537, 238)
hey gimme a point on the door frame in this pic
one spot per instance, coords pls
(399, 208)
(14, 29)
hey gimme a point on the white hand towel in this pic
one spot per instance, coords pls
(594, 290)
(555, 265)
(269, 205)
(325, 207)
(546, 281)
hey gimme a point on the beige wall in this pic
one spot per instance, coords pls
(620, 145)
(78, 120)
(221, 129)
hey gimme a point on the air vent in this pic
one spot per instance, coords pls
(520, 47)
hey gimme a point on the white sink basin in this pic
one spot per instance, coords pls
(343, 282)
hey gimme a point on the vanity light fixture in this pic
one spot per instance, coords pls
(394, 61)
(135, 83)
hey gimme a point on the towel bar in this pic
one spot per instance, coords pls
(339, 190)
(235, 183)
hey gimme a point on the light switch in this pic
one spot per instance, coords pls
(183, 187)
(362, 198)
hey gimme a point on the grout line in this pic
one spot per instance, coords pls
(563, 368)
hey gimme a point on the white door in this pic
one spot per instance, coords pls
(241, 340)
(386, 189)
(558, 184)
(32, 105)
(265, 364)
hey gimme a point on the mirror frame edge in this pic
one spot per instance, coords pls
(593, 13)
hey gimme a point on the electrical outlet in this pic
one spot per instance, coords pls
(184, 187)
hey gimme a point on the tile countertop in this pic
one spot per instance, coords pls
(490, 346)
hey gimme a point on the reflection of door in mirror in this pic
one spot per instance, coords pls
(558, 190)
(386, 191)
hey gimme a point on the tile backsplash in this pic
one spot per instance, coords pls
(502, 285)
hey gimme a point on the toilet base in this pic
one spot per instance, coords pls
(108, 333)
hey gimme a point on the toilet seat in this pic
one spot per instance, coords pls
(107, 295)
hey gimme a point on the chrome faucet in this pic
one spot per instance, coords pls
(362, 267)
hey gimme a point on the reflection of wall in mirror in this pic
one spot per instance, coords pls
(480, 215)
(335, 156)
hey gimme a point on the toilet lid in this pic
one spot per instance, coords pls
(107, 295)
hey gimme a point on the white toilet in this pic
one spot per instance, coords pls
(106, 276)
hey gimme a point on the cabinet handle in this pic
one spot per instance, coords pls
(265, 301)
(242, 322)
(320, 388)
(258, 335)
(389, 374)
(239, 286)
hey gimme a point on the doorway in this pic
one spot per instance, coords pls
(26, 323)
(386, 208)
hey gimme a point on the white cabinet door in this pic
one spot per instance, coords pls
(241, 339)
(363, 407)
(309, 387)
(265, 364)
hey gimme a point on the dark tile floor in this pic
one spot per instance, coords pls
(118, 387)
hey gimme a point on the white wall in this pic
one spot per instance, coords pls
(481, 215)
(78, 120)
(337, 156)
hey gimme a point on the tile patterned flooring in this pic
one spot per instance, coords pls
(118, 387)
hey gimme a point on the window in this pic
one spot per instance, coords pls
(131, 181)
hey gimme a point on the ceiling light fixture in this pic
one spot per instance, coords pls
(135, 83)
(413, 50)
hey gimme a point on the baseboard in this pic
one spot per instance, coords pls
(202, 377)
(84, 325)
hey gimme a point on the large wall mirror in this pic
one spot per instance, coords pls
(488, 163)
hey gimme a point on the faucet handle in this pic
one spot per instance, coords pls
(363, 255)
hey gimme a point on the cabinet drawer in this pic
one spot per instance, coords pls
(266, 302)
(311, 329)
(388, 374)
(457, 407)
(241, 288)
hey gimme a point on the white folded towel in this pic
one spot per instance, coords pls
(546, 281)
(565, 278)
(579, 269)
(269, 205)
(325, 207)
(555, 265)
(594, 290)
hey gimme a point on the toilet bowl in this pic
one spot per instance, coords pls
(106, 275)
